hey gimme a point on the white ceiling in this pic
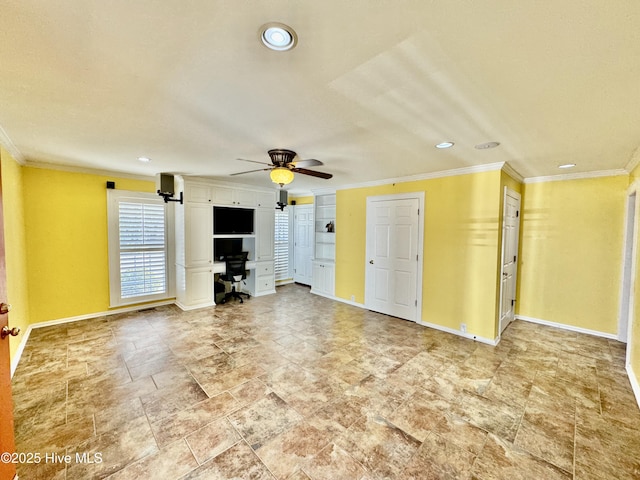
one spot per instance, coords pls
(369, 89)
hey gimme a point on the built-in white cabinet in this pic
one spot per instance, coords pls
(265, 199)
(196, 192)
(265, 279)
(234, 196)
(198, 287)
(324, 245)
(323, 278)
(198, 227)
(196, 268)
(265, 230)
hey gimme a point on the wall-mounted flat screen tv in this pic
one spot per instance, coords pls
(229, 221)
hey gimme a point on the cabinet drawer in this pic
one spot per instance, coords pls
(265, 284)
(264, 269)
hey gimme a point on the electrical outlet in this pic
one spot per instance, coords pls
(353, 298)
(463, 327)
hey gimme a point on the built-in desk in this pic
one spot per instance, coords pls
(220, 267)
(259, 281)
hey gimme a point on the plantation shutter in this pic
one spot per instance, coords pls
(139, 266)
(281, 243)
(143, 267)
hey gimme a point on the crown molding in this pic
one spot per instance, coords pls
(509, 170)
(489, 167)
(634, 161)
(577, 176)
(6, 142)
(89, 171)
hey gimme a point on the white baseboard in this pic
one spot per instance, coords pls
(343, 300)
(453, 331)
(470, 336)
(564, 326)
(16, 358)
(634, 383)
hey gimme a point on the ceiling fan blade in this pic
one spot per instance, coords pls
(313, 173)
(250, 171)
(252, 161)
(311, 162)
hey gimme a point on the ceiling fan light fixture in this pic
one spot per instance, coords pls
(278, 36)
(281, 175)
(281, 156)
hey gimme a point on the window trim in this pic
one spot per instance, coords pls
(114, 197)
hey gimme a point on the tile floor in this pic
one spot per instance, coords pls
(296, 386)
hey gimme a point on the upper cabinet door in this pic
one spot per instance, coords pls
(245, 198)
(196, 193)
(223, 195)
(266, 199)
(233, 196)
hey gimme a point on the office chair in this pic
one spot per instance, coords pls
(235, 272)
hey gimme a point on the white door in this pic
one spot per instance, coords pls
(510, 236)
(303, 244)
(391, 280)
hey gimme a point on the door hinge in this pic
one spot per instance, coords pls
(517, 213)
(514, 258)
(417, 257)
(416, 303)
(513, 301)
(418, 212)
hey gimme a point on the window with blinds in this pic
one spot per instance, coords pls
(137, 248)
(281, 259)
(143, 263)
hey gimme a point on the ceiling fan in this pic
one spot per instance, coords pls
(283, 166)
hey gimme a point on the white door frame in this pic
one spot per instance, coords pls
(629, 256)
(516, 195)
(420, 196)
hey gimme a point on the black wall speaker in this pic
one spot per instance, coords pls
(164, 184)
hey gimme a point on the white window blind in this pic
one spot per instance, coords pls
(281, 243)
(137, 248)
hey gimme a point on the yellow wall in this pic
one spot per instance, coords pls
(66, 241)
(301, 200)
(461, 248)
(15, 249)
(571, 252)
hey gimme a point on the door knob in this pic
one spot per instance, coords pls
(6, 331)
(371, 262)
(4, 308)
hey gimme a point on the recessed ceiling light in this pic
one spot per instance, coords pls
(144, 159)
(278, 36)
(484, 146)
(567, 165)
(445, 145)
